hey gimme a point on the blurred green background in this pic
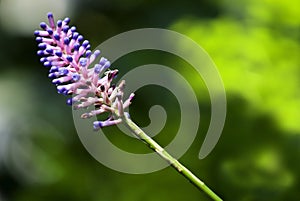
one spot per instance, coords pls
(255, 45)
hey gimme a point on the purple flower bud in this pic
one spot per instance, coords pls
(97, 68)
(80, 38)
(75, 35)
(59, 23)
(49, 50)
(100, 124)
(42, 46)
(65, 29)
(83, 62)
(73, 29)
(39, 39)
(66, 41)
(76, 77)
(51, 20)
(43, 25)
(102, 61)
(97, 53)
(61, 80)
(85, 43)
(69, 58)
(56, 36)
(58, 53)
(50, 31)
(106, 65)
(76, 47)
(97, 125)
(47, 64)
(43, 59)
(40, 53)
(88, 53)
(36, 33)
(63, 71)
(67, 20)
(61, 90)
(53, 75)
(69, 101)
(53, 69)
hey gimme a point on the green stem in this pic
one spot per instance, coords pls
(166, 156)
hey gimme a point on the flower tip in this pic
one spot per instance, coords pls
(70, 102)
(97, 125)
(43, 25)
(76, 77)
(47, 64)
(83, 61)
(36, 33)
(59, 23)
(50, 15)
(50, 31)
(67, 20)
(39, 39)
(42, 46)
(66, 41)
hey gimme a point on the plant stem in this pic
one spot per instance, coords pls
(137, 131)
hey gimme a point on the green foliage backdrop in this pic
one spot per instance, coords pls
(255, 45)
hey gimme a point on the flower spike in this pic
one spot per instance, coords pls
(68, 56)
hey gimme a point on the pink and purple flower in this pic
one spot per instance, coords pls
(69, 58)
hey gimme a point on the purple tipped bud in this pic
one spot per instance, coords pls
(70, 101)
(36, 33)
(49, 50)
(43, 59)
(69, 58)
(65, 29)
(47, 64)
(61, 90)
(85, 43)
(51, 20)
(97, 53)
(53, 69)
(66, 41)
(80, 38)
(39, 39)
(106, 65)
(67, 20)
(58, 53)
(75, 35)
(97, 68)
(97, 125)
(40, 53)
(76, 77)
(42, 46)
(43, 25)
(50, 31)
(63, 71)
(55, 81)
(102, 61)
(59, 23)
(76, 46)
(56, 36)
(73, 29)
(100, 124)
(52, 75)
(88, 53)
(83, 62)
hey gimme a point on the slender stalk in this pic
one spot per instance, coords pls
(137, 131)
